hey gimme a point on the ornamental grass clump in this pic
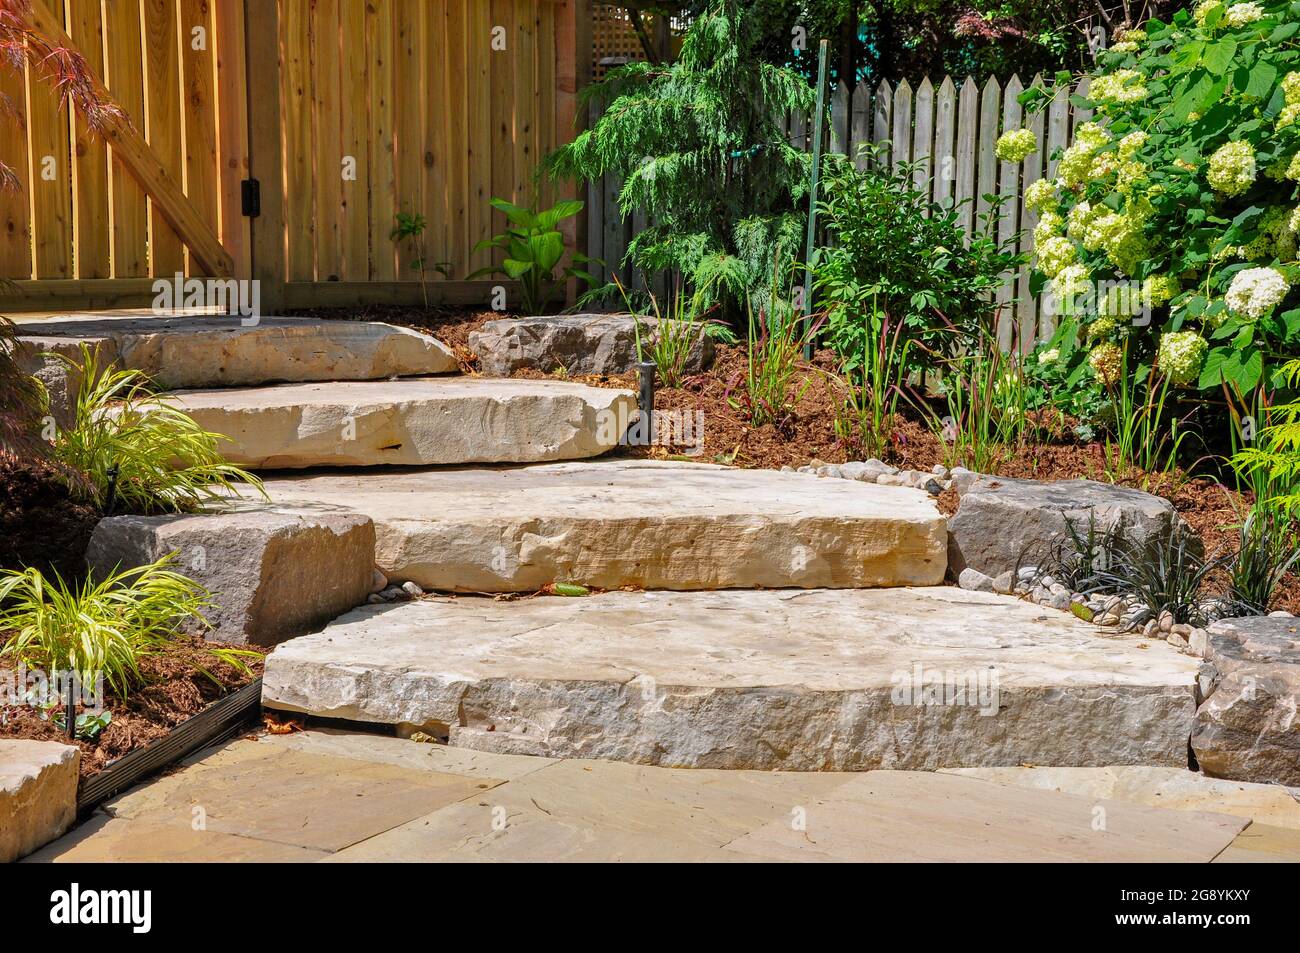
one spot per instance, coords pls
(1184, 184)
(140, 448)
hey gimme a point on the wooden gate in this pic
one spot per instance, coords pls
(342, 112)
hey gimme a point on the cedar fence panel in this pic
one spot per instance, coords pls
(346, 112)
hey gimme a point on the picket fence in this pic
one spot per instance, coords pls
(950, 133)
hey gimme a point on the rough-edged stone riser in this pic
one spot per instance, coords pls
(639, 523)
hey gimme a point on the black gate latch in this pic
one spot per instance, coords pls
(250, 194)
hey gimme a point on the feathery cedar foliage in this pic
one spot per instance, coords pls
(701, 153)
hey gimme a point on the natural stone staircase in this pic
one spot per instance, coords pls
(803, 674)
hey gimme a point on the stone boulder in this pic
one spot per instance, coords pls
(578, 343)
(38, 794)
(1004, 523)
(273, 574)
(1248, 728)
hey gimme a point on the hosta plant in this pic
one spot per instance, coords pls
(1172, 220)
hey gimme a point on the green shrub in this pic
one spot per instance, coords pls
(164, 460)
(1183, 190)
(703, 155)
(95, 628)
(892, 250)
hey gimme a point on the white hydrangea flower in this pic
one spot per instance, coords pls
(1049, 356)
(1121, 86)
(1055, 254)
(1256, 291)
(1180, 355)
(1239, 14)
(1040, 196)
(1232, 167)
(1016, 145)
(1204, 9)
(1130, 144)
(1049, 226)
(1291, 88)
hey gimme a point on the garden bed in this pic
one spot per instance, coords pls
(179, 684)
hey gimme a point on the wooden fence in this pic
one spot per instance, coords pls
(344, 112)
(87, 211)
(950, 132)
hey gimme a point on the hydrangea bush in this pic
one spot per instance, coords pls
(1172, 220)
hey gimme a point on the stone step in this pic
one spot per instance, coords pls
(217, 350)
(812, 680)
(652, 525)
(413, 421)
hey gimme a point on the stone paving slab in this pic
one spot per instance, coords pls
(803, 680)
(104, 839)
(404, 753)
(413, 421)
(885, 816)
(608, 811)
(652, 525)
(1263, 844)
(313, 801)
(1172, 788)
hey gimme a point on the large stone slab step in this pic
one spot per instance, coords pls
(413, 421)
(216, 350)
(814, 680)
(653, 525)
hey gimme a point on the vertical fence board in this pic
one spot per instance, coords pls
(355, 102)
(967, 132)
(299, 132)
(164, 124)
(1008, 213)
(882, 118)
(901, 138)
(840, 119)
(198, 78)
(546, 100)
(128, 208)
(411, 103)
(945, 160)
(90, 155)
(985, 160)
(15, 211)
(232, 132)
(923, 139)
(860, 132)
(382, 161)
(446, 174)
(1031, 170)
(51, 173)
(326, 126)
(489, 171)
(599, 267)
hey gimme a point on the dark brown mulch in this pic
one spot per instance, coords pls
(175, 689)
(42, 523)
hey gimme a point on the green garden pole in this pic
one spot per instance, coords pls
(822, 51)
